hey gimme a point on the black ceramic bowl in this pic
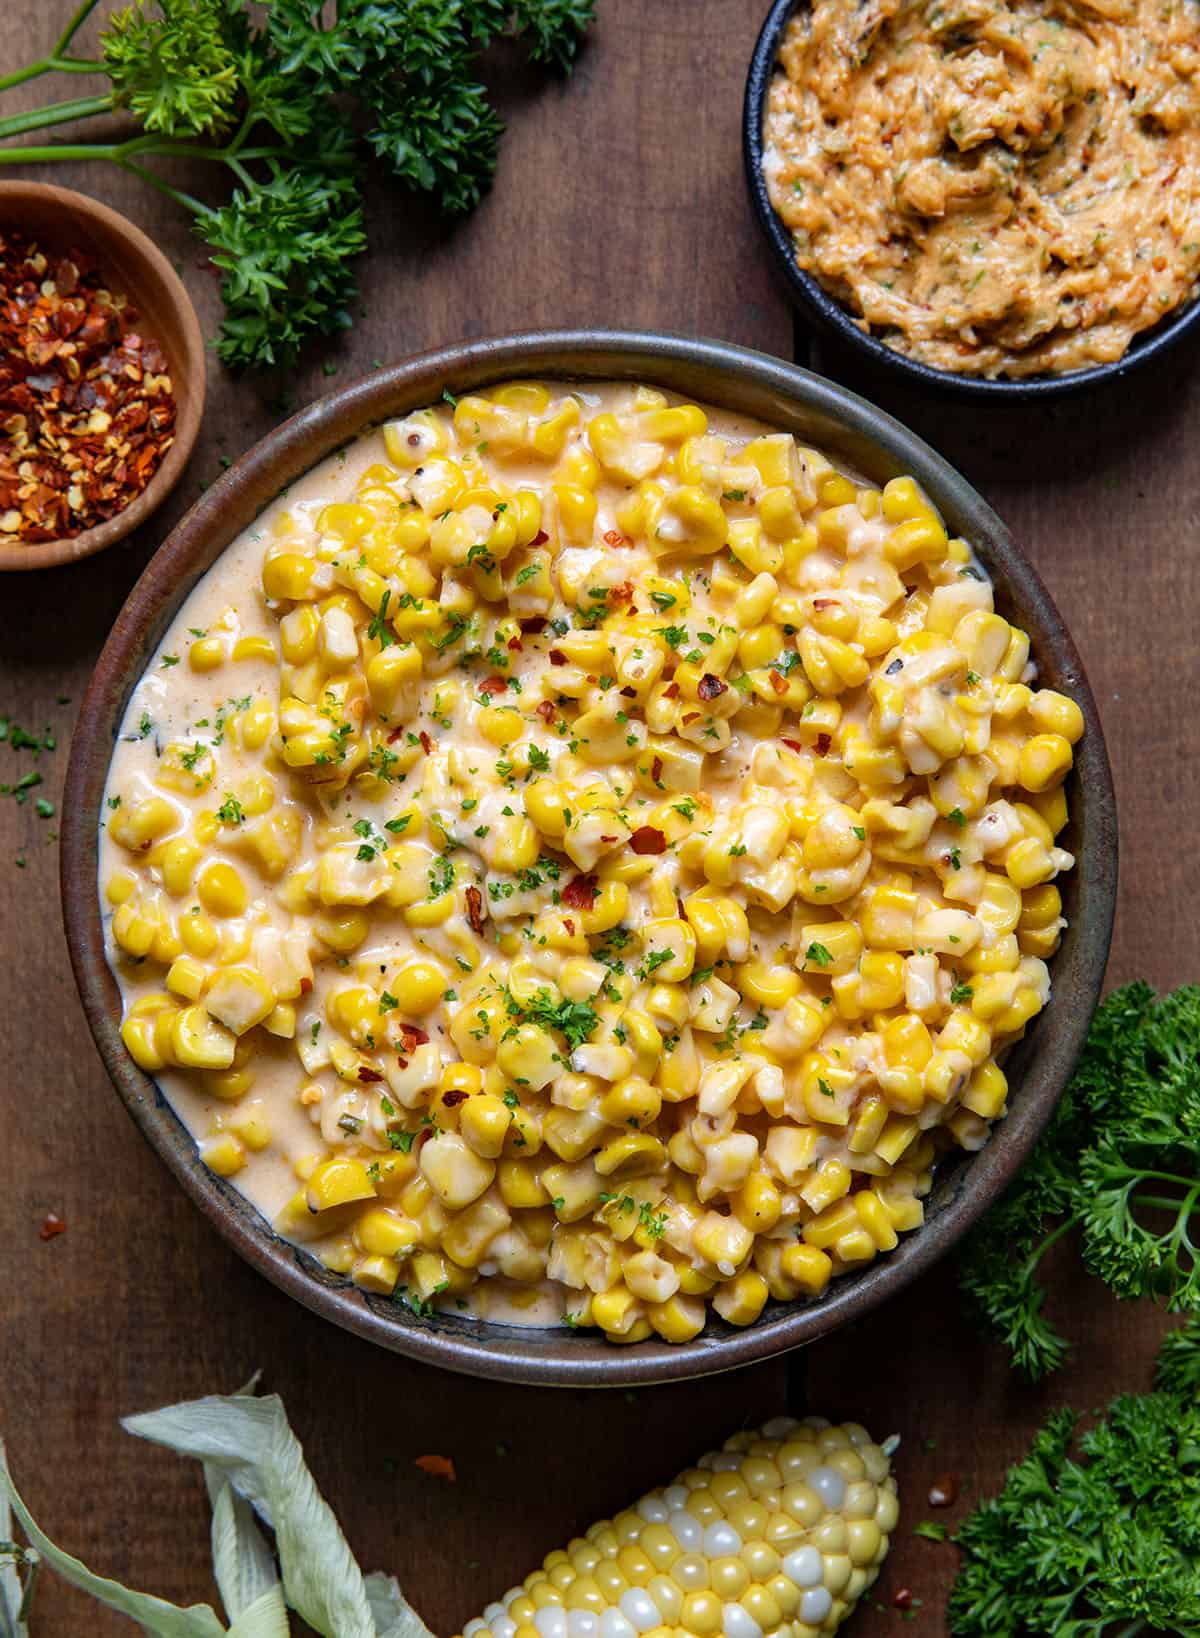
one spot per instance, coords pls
(857, 436)
(827, 313)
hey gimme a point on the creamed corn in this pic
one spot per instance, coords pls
(581, 858)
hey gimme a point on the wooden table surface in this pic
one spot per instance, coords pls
(620, 200)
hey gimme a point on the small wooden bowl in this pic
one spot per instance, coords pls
(60, 219)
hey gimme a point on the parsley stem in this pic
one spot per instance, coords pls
(56, 60)
(54, 114)
(1040, 1251)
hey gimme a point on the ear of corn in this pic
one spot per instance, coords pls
(776, 1535)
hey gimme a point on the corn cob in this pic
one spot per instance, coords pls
(776, 1535)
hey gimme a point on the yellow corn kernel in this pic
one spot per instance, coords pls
(206, 654)
(757, 1205)
(140, 825)
(223, 1154)
(419, 985)
(1045, 760)
(484, 1121)
(1028, 863)
(337, 1182)
(200, 1042)
(920, 539)
(830, 948)
(187, 977)
(742, 1300)
(288, 576)
(221, 890)
(1054, 713)
(239, 997)
(767, 986)
(807, 1267)
(679, 1319)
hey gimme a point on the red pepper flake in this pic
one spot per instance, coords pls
(396, 733)
(366, 1073)
(902, 1598)
(778, 681)
(826, 603)
(621, 593)
(709, 687)
(540, 538)
(454, 1097)
(493, 685)
(792, 744)
(647, 839)
(410, 1039)
(613, 537)
(546, 711)
(630, 693)
(438, 1467)
(475, 909)
(306, 985)
(944, 1490)
(533, 624)
(514, 645)
(671, 691)
(580, 893)
(426, 742)
(557, 657)
(569, 924)
(656, 770)
(52, 1226)
(823, 743)
(690, 716)
(87, 408)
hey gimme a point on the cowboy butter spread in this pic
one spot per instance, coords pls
(993, 187)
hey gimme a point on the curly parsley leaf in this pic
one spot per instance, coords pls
(1119, 1164)
(1100, 1544)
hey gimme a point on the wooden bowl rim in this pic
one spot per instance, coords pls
(782, 395)
(190, 366)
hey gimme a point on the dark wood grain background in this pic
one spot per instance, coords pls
(620, 200)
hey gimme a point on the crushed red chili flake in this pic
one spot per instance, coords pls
(87, 409)
(671, 691)
(613, 537)
(580, 893)
(540, 538)
(396, 733)
(493, 685)
(824, 741)
(532, 624)
(569, 924)
(438, 1467)
(656, 768)
(454, 1097)
(411, 1037)
(793, 744)
(426, 742)
(557, 657)
(546, 711)
(52, 1226)
(514, 643)
(778, 681)
(475, 909)
(647, 839)
(365, 1073)
(709, 687)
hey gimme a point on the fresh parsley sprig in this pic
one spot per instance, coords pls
(1103, 1544)
(290, 103)
(1119, 1164)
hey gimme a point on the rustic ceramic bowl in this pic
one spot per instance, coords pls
(828, 314)
(59, 219)
(749, 384)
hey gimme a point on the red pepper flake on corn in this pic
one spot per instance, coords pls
(87, 410)
(777, 1535)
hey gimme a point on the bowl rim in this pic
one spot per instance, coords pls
(719, 373)
(48, 554)
(808, 293)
